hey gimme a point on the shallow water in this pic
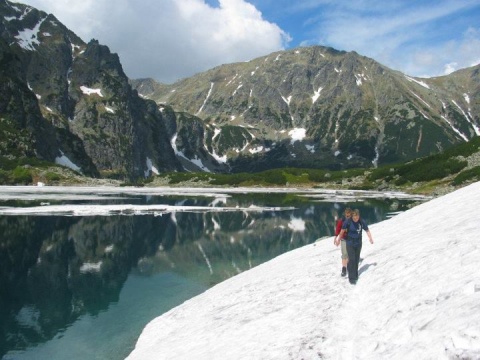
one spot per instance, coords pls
(84, 286)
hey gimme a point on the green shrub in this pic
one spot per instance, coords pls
(401, 181)
(384, 172)
(465, 149)
(4, 178)
(274, 177)
(467, 175)
(317, 176)
(7, 164)
(52, 177)
(21, 175)
(431, 168)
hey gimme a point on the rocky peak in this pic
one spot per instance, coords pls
(81, 98)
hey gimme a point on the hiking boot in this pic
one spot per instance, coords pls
(344, 271)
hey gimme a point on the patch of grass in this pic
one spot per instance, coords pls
(10, 164)
(53, 177)
(21, 176)
(275, 177)
(472, 174)
(429, 168)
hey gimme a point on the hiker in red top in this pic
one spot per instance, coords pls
(347, 215)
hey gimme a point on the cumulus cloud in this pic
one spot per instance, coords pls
(420, 39)
(447, 57)
(170, 39)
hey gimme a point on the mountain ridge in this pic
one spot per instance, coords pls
(313, 107)
(347, 103)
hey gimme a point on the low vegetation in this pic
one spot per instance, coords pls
(451, 168)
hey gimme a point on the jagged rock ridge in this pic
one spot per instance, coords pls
(72, 102)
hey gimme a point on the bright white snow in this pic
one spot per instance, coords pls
(359, 78)
(124, 209)
(316, 94)
(459, 133)
(150, 168)
(418, 97)
(91, 267)
(96, 192)
(475, 127)
(196, 161)
(287, 99)
(28, 38)
(418, 297)
(65, 161)
(422, 83)
(297, 134)
(256, 150)
(109, 109)
(206, 99)
(89, 91)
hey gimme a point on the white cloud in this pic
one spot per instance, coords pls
(450, 67)
(170, 39)
(447, 57)
(417, 38)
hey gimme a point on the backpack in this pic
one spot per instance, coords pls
(342, 221)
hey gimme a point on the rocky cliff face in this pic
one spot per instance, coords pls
(318, 107)
(72, 102)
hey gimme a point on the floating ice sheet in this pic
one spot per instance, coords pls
(59, 193)
(124, 209)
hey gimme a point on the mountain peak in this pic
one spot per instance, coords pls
(354, 111)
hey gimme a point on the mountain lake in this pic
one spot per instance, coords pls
(84, 269)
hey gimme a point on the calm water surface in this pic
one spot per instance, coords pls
(84, 287)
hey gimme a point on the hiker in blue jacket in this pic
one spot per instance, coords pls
(353, 228)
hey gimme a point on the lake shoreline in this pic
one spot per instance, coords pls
(432, 189)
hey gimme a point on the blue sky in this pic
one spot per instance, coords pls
(422, 38)
(171, 39)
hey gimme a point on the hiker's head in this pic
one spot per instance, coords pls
(348, 212)
(355, 214)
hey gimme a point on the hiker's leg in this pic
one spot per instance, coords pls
(357, 259)
(343, 244)
(351, 262)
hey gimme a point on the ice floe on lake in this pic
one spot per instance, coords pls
(47, 194)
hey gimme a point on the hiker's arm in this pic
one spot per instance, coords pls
(339, 237)
(370, 236)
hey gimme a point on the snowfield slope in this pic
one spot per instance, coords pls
(418, 296)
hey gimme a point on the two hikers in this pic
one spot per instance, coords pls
(352, 228)
(346, 215)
